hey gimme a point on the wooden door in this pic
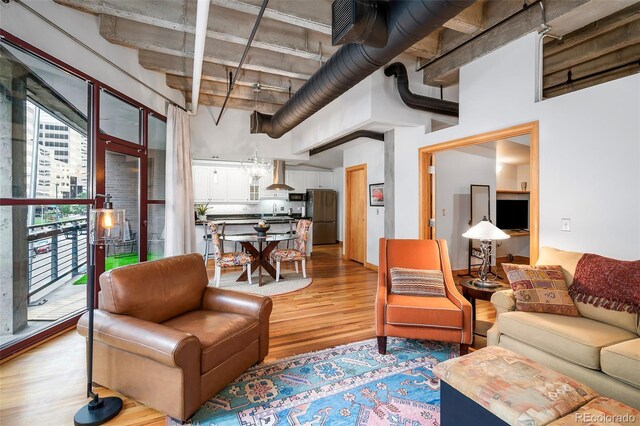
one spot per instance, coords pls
(356, 213)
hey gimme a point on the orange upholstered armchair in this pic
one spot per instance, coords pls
(446, 319)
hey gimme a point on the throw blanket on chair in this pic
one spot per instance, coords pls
(608, 283)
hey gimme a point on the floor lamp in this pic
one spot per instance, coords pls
(105, 227)
(486, 232)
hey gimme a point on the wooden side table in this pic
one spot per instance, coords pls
(472, 292)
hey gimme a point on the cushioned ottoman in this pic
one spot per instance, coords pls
(513, 388)
(601, 411)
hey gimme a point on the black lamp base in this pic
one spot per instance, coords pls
(98, 412)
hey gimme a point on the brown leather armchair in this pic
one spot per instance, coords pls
(164, 338)
(446, 319)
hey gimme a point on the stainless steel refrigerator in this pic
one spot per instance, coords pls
(322, 207)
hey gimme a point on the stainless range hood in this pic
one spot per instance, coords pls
(278, 177)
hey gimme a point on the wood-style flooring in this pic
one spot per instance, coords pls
(46, 385)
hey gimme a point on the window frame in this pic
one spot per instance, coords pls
(94, 180)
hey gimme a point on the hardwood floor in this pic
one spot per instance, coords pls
(46, 385)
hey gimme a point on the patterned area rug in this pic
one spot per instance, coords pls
(291, 282)
(347, 385)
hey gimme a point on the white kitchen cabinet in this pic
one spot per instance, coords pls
(201, 188)
(312, 180)
(218, 180)
(325, 180)
(297, 180)
(237, 185)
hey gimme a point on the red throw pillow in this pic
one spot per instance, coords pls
(540, 289)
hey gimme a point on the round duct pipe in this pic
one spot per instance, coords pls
(412, 100)
(409, 22)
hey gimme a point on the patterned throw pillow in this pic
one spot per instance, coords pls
(417, 282)
(540, 289)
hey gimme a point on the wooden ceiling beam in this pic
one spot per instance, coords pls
(619, 58)
(148, 37)
(469, 20)
(224, 25)
(427, 47)
(454, 54)
(209, 87)
(217, 101)
(182, 66)
(593, 47)
(280, 15)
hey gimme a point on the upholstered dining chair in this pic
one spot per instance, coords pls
(222, 260)
(444, 318)
(297, 253)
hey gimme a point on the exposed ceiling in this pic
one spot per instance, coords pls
(294, 39)
(292, 42)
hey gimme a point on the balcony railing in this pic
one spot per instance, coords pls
(55, 251)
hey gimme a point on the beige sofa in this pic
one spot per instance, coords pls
(601, 348)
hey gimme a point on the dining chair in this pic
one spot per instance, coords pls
(298, 253)
(208, 250)
(221, 259)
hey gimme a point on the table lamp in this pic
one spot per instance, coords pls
(486, 232)
(106, 226)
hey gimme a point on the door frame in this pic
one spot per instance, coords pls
(425, 179)
(347, 204)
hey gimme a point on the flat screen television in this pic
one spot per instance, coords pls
(512, 214)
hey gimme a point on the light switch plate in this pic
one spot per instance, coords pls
(565, 224)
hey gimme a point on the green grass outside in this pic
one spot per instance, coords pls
(112, 262)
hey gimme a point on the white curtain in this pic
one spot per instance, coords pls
(179, 214)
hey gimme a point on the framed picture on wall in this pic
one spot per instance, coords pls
(376, 195)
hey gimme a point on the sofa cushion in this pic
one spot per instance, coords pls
(575, 339)
(221, 334)
(417, 282)
(540, 289)
(569, 261)
(600, 411)
(422, 311)
(622, 361)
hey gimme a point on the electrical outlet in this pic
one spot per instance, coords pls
(565, 224)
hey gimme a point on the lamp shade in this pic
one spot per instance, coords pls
(106, 226)
(485, 230)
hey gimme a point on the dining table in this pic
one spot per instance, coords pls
(260, 247)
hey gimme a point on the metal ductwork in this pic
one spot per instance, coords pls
(412, 100)
(359, 21)
(408, 23)
(278, 177)
(379, 136)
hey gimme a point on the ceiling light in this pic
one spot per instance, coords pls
(256, 168)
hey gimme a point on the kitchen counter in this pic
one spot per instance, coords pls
(243, 223)
(250, 219)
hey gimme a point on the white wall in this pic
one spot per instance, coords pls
(30, 28)
(507, 177)
(231, 140)
(589, 150)
(456, 170)
(370, 153)
(373, 101)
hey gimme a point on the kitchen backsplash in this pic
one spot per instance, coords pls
(262, 207)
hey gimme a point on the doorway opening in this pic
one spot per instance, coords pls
(430, 211)
(356, 213)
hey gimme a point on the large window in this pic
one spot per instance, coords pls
(57, 153)
(44, 176)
